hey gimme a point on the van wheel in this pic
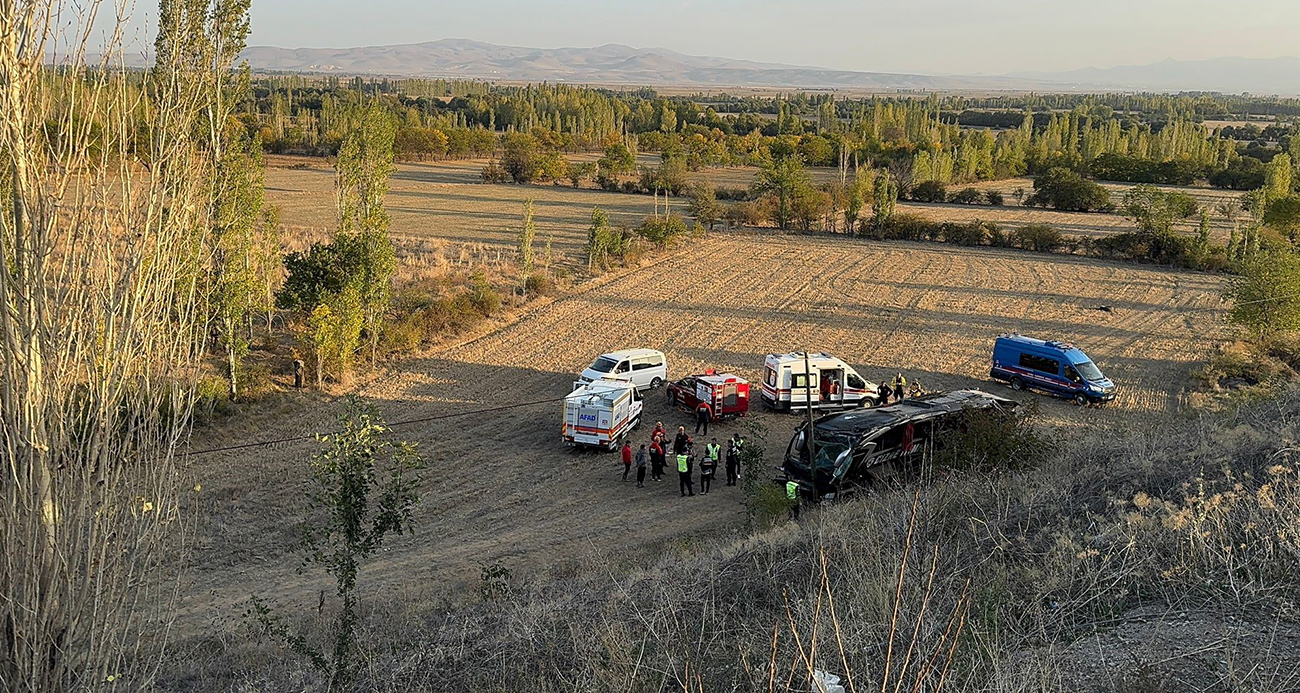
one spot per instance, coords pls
(1017, 384)
(1081, 400)
(654, 384)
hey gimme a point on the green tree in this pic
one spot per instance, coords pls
(1155, 210)
(704, 205)
(527, 233)
(364, 167)
(618, 160)
(520, 157)
(1277, 178)
(786, 179)
(364, 489)
(1266, 293)
(595, 235)
(885, 199)
(1283, 215)
(1063, 189)
(237, 215)
(858, 194)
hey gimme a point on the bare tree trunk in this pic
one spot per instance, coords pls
(100, 333)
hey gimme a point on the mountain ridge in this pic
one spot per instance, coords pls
(615, 63)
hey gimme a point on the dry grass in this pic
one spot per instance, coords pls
(1153, 561)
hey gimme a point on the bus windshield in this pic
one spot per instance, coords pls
(603, 364)
(1088, 370)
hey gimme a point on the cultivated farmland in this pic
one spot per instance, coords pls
(501, 489)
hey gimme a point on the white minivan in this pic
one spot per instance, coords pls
(645, 368)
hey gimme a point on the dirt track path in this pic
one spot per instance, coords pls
(501, 489)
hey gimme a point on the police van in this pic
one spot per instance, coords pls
(601, 413)
(645, 368)
(1054, 367)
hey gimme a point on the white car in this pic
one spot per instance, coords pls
(645, 368)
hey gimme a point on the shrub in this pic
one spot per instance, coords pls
(539, 285)
(930, 191)
(907, 227)
(662, 230)
(482, 296)
(969, 196)
(1065, 190)
(1266, 295)
(994, 198)
(971, 234)
(989, 440)
(745, 214)
(1040, 238)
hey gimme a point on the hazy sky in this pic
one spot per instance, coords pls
(930, 36)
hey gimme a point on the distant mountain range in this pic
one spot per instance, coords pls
(616, 64)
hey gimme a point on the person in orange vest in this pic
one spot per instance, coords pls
(702, 416)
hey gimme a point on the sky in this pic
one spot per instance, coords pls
(920, 36)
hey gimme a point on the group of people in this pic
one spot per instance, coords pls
(682, 447)
(898, 390)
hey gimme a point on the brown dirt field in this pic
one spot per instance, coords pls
(443, 208)
(502, 489)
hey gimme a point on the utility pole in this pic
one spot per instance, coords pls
(812, 435)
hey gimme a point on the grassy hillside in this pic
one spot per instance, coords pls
(1164, 560)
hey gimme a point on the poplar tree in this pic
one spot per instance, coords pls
(885, 199)
(1277, 179)
(595, 236)
(364, 167)
(527, 233)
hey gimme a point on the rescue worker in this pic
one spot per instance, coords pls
(900, 386)
(792, 495)
(640, 467)
(684, 474)
(659, 434)
(702, 417)
(681, 442)
(882, 394)
(657, 459)
(733, 460)
(709, 465)
(916, 390)
(627, 459)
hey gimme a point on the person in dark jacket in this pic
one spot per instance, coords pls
(702, 416)
(657, 459)
(733, 460)
(681, 442)
(640, 466)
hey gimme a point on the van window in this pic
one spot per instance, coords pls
(799, 381)
(855, 382)
(1040, 363)
(771, 377)
(1072, 375)
(642, 365)
(604, 364)
(1088, 370)
(622, 367)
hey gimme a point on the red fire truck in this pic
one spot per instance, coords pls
(726, 395)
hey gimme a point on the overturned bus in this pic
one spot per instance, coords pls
(860, 447)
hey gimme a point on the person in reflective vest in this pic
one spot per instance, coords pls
(900, 386)
(709, 465)
(792, 495)
(684, 474)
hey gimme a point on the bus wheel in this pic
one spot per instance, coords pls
(1017, 384)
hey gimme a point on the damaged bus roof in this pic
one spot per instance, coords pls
(863, 423)
(858, 445)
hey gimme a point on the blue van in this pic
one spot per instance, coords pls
(1054, 367)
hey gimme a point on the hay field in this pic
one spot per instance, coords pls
(442, 209)
(502, 489)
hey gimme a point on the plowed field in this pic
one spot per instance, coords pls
(502, 489)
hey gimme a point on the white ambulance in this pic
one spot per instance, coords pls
(601, 413)
(832, 383)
